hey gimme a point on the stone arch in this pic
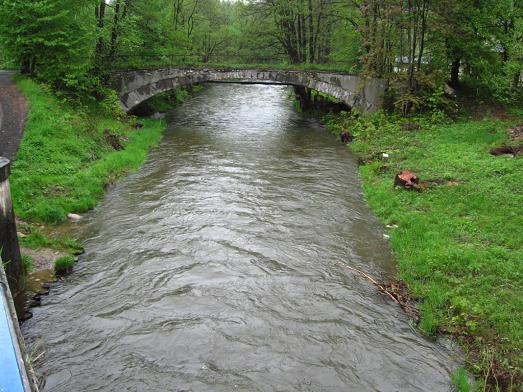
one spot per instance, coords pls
(137, 86)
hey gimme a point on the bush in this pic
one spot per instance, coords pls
(63, 265)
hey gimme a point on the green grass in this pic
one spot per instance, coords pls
(460, 380)
(63, 265)
(64, 163)
(37, 240)
(459, 243)
(27, 264)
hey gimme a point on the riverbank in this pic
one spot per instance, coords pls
(458, 243)
(69, 155)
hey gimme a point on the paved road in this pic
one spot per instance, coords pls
(13, 114)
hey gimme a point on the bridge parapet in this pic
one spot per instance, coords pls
(136, 86)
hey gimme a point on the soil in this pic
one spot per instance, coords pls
(42, 258)
(516, 132)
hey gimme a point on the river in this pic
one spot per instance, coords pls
(216, 267)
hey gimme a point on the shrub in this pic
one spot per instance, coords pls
(63, 265)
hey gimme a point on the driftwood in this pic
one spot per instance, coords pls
(395, 290)
(408, 180)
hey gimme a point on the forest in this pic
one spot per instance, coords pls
(416, 45)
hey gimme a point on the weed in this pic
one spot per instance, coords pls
(63, 265)
(27, 264)
(461, 381)
(35, 240)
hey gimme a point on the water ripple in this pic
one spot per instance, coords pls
(215, 268)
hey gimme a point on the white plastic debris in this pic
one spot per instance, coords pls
(74, 217)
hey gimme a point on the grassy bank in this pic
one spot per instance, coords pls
(459, 243)
(69, 155)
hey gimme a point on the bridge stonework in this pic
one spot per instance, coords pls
(136, 86)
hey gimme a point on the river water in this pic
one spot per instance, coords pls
(216, 267)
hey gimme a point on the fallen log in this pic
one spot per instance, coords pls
(397, 291)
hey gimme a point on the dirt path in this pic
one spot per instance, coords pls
(13, 114)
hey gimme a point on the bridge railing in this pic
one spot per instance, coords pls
(14, 368)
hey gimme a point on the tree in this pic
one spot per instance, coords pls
(49, 38)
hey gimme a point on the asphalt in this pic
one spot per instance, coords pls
(13, 115)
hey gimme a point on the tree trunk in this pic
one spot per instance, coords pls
(100, 16)
(311, 32)
(412, 55)
(115, 31)
(422, 37)
(25, 65)
(454, 72)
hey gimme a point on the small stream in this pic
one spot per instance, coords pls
(216, 268)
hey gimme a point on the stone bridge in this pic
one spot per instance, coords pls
(136, 86)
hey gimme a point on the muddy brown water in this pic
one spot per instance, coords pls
(215, 268)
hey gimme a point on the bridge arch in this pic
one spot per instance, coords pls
(136, 86)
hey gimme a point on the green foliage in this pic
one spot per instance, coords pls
(36, 240)
(460, 380)
(63, 265)
(75, 45)
(64, 163)
(27, 264)
(458, 243)
(49, 39)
